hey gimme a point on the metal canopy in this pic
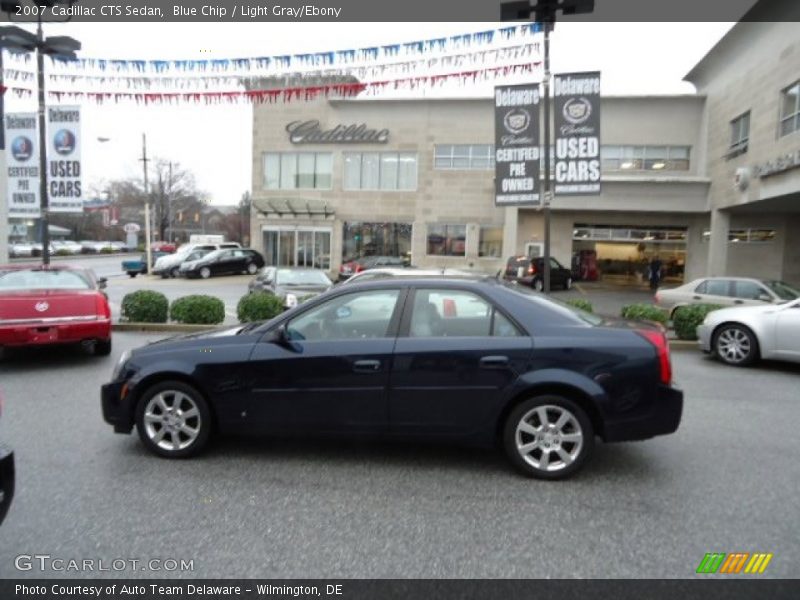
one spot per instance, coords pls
(296, 207)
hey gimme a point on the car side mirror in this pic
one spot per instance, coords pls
(279, 336)
(102, 283)
(764, 298)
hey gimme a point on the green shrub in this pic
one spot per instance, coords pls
(63, 252)
(258, 306)
(581, 304)
(145, 306)
(197, 309)
(107, 250)
(685, 319)
(644, 312)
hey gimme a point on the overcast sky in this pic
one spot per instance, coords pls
(215, 142)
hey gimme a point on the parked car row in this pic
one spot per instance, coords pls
(170, 265)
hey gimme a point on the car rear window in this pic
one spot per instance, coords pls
(564, 308)
(30, 279)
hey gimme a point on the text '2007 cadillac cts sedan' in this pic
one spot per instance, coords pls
(472, 361)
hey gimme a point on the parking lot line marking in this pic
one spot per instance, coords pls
(578, 287)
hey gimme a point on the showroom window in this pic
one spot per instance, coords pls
(297, 170)
(740, 134)
(746, 236)
(490, 242)
(375, 239)
(446, 240)
(790, 109)
(380, 171)
(645, 158)
(464, 156)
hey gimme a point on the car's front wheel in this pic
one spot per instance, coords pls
(252, 268)
(568, 283)
(735, 344)
(205, 272)
(175, 272)
(173, 420)
(548, 437)
(538, 284)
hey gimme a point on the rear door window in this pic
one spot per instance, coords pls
(457, 313)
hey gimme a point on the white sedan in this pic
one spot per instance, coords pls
(740, 336)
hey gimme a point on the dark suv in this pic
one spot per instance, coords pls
(530, 271)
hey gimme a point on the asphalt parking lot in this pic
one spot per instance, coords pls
(725, 482)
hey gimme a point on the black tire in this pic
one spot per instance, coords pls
(568, 283)
(102, 347)
(132, 274)
(725, 350)
(530, 463)
(175, 272)
(201, 422)
(538, 284)
(205, 272)
(252, 268)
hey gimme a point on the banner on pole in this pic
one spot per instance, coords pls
(516, 150)
(576, 99)
(64, 159)
(22, 164)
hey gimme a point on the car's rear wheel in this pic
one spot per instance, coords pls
(538, 284)
(252, 268)
(205, 272)
(173, 420)
(735, 344)
(102, 348)
(548, 437)
(568, 283)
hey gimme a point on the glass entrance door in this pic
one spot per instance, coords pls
(304, 247)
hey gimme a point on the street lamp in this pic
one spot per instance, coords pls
(544, 11)
(61, 47)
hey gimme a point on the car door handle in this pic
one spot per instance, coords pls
(738, 301)
(494, 362)
(366, 366)
(696, 298)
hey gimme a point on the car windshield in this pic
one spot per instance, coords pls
(533, 296)
(292, 277)
(782, 290)
(37, 279)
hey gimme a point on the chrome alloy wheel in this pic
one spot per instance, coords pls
(549, 438)
(172, 420)
(733, 345)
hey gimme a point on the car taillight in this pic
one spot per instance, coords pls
(359, 268)
(532, 270)
(102, 309)
(659, 340)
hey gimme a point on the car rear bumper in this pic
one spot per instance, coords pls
(42, 334)
(6, 480)
(116, 408)
(663, 419)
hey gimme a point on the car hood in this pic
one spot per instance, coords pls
(212, 337)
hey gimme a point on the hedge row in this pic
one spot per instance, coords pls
(645, 312)
(147, 306)
(685, 319)
(580, 303)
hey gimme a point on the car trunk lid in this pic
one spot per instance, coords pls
(48, 305)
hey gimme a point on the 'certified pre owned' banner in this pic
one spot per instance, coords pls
(516, 130)
(64, 159)
(577, 135)
(22, 162)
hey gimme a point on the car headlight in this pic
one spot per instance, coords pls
(120, 365)
(291, 301)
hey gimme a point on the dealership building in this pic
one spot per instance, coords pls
(709, 182)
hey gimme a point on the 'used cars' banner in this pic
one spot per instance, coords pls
(64, 159)
(22, 163)
(516, 150)
(577, 133)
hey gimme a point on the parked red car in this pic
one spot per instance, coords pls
(53, 305)
(167, 247)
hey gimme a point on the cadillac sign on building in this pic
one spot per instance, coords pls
(310, 132)
(516, 130)
(577, 133)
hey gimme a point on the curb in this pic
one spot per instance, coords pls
(167, 327)
(682, 344)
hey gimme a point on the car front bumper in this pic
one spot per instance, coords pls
(6, 480)
(662, 420)
(116, 407)
(704, 337)
(41, 334)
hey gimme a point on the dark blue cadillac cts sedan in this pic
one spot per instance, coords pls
(471, 361)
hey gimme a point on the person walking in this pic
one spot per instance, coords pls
(655, 272)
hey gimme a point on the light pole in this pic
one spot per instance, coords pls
(147, 233)
(544, 11)
(61, 47)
